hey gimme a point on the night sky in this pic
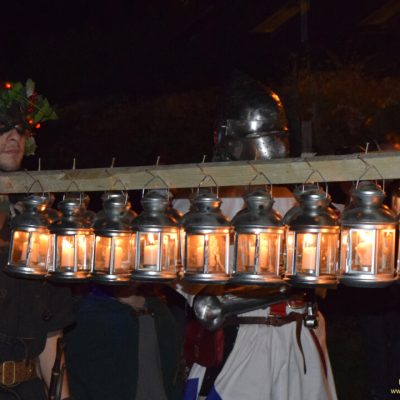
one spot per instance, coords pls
(140, 68)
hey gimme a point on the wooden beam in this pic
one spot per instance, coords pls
(374, 165)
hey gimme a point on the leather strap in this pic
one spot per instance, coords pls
(320, 352)
(15, 372)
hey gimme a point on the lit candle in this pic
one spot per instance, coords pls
(309, 254)
(82, 250)
(199, 256)
(34, 257)
(67, 254)
(43, 246)
(263, 254)
(24, 250)
(150, 254)
(118, 253)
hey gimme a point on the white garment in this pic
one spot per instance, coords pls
(265, 362)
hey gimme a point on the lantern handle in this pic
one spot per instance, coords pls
(35, 180)
(117, 180)
(72, 175)
(369, 166)
(206, 176)
(259, 173)
(315, 171)
(153, 178)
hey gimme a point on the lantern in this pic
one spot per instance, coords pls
(113, 256)
(206, 255)
(312, 241)
(71, 249)
(259, 235)
(368, 239)
(157, 240)
(29, 239)
(128, 215)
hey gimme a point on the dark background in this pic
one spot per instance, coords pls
(140, 79)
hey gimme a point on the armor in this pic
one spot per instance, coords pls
(252, 123)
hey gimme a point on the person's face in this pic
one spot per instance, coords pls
(12, 147)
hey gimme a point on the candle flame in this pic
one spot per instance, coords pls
(366, 236)
(151, 239)
(66, 244)
(309, 240)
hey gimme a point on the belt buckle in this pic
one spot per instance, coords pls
(6, 373)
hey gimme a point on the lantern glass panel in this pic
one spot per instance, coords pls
(20, 247)
(169, 251)
(268, 247)
(328, 258)
(69, 246)
(344, 248)
(290, 237)
(195, 253)
(245, 253)
(102, 253)
(362, 249)
(385, 249)
(84, 251)
(36, 243)
(149, 250)
(122, 254)
(208, 250)
(65, 252)
(133, 250)
(50, 259)
(215, 250)
(306, 253)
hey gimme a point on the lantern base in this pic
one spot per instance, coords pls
(69, 276)
(254, 279)
(304, 281)
(209, 279)
(24, 272)
(367, 280)
(153, 276)
(111, 279)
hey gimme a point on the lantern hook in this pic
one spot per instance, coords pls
(259, 173)
(205, 177)
(72, 176)
(35, 180)
(369, 166)
(315, 171)
(116, 180)
(153, 178)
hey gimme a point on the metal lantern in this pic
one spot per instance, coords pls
(113, 256)
(87, 216)
(259, 235)
(72, 244)
(157, 240)
(312, 241)
(206, 256)
(128, 215)
(368, 239)
(29, 239)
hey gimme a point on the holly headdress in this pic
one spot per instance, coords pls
(23, 108)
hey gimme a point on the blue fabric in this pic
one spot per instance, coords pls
(190, 392)
(213, 395)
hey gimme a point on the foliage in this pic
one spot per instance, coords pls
(21, 106)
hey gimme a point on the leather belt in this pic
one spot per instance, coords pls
(15, 372)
